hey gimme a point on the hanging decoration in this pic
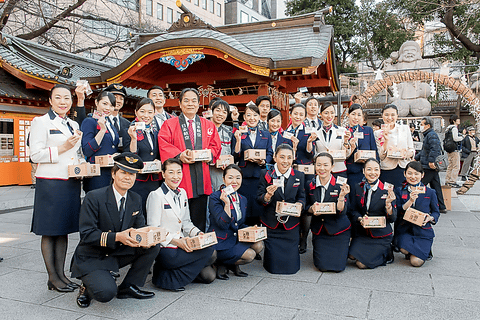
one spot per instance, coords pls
(396, 94)
(433, 89)
(182, 63)
(378, 74)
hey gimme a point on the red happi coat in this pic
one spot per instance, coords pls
(171, 143)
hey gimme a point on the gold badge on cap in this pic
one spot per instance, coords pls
(131, 160)
(118, 86)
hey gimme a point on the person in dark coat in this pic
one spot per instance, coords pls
(470, 145)
(227, 216)
(371, 247)
(107, 217)
(121, 124)
(431, 149)
(416, 241)
(331, 232)
(144, 142)
(281, 183)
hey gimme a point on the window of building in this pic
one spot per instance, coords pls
(130, 4)
(178, 15)
(219, 9)
(211, 4)
(148, 7)
(253, 19)
(195, 2)
(204, 4)
(160, 11)
(169, 15)
(243, 17)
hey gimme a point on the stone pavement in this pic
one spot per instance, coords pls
(448, 287)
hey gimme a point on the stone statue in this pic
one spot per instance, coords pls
(412, 96)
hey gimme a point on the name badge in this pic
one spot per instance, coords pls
(335, 193)
(384, 196)
(358, 135)
(55, 131)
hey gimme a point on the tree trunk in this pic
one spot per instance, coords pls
(7, 9)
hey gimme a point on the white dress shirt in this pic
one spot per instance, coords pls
(324, 189)
(370, 192)
(283, 177)
(118, 197)
(194, 126)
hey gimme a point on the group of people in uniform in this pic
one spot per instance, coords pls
(189, 198)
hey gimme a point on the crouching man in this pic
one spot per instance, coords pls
(106, 218)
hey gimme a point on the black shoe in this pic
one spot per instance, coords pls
(236, 270)
(455, 185)
(1, 259)
(83, 298)
(430, 256)
(258, 257)
(32, 186)
(176, 290)
(73, 285)
(134, 292)
(222, 273)
(390, 256)
(115, 274)
(395, 248)
(443, 210)
(51, 286)
(464, 178)
(302, 248)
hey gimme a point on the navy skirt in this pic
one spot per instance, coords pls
(56, 207)
(249, 189)
(175, 268)
(143, 188)
(233, 254)
(408, 237)
(330, 252)
(105, 179)
(281, 251)
(394, 176)
(372, 252)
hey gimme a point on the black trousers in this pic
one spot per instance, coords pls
(431, 177)
(198, 211)
(101, 285)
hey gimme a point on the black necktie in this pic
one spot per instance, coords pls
(121, 212)
(115, 122)
(313, 124)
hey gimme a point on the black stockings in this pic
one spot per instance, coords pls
(54, 251)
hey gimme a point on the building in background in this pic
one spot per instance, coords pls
(245, 11)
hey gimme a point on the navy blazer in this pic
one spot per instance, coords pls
(302, 156)
(280, 140)
(145, 151)
(426, 202)
(99, 223)
(334, 223)
(90, 148)
(124, 125)
(294, 192)
(367, 143)
(377, 209)
(263, 141)
(225, 227)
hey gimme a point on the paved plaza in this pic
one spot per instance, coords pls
(448, 287)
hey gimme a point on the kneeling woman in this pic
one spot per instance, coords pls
(415, 241)
(331, 232)
(371, 246)
(281, 246)
(177, 264)
(227, 216)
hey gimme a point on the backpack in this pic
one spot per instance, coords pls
(448, 144)
(441, 162)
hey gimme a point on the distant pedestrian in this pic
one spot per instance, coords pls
(470, 147)
(453, 156)
(431, 149)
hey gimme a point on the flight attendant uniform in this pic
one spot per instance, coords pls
(216, 174)
(278, 139)
(331, 138)
(371, 246)
(415, 239)
(174, 268)
(147, 149)
(173, 139)
(90, 147)
(331, 232)
(229, 249)
(57, 198)
(355, 169)
(281, 254)
(254, 139)
(302, 156)
(392, 169)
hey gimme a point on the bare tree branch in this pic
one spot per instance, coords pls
(8, 7)
(51, 23)
(103, 45)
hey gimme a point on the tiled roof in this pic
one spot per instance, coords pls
(12, 87)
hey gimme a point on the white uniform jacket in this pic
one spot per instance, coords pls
(163, 211)
(399, 137)
(47, 133)
(333, 141)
